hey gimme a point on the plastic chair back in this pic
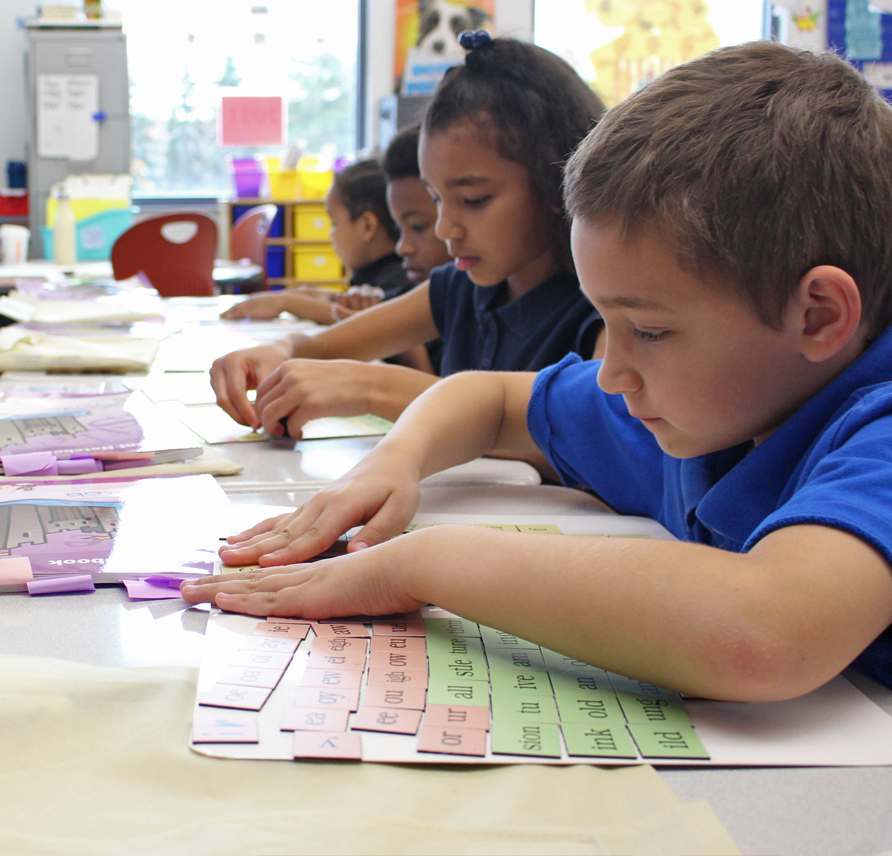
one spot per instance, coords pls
(249, 233)
(175, 251)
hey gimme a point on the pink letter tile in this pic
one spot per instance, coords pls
(308, 744)
(236, 697)
(314, 719)
(383, 719)
(452, 741)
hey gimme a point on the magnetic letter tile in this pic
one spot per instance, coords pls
(655, 711)
(496, 640)
(454, 716)
(349, 661)
(461, 693)
(236, 697)
(217, 728)
(342, 631)
(16, 569)
(657, 741)
(339, 645)
(565, 683)
(639, 688)
(339, 699)
(590, 709)
(438, 645)
(314, 719)
(602, 740)
(331, 679)
(282, 631)
(466, 667)
(397, 697)
(397, 678)
(516, 708)
(346, 747)
(555, 662)
(521, 683)
(397, 660)
(504, 527)
(408, 644)
(384, 719)
(451, 627)
(268, 643)
(521, 738)
(524, 658)
(261, 659)
(452, 741)
(539, 528)
(247, 676)
(406, 627)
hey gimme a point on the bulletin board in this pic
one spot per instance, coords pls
(862, 33)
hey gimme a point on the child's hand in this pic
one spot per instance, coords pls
(356, 299)
(267, 305)
(301, 390)
(233, 375)
(371, 582)
(380, 492)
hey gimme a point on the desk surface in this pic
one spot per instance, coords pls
(767, 811)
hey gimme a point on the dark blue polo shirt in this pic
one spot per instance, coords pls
(386, 273)
(830, 464)
(481, 331)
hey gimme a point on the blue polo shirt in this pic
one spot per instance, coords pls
(830, 464)
(480, 330)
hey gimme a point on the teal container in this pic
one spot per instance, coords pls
(96, 235)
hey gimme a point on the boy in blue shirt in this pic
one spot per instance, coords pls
(732, 222)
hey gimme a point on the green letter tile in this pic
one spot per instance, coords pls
(496, 640)
(439, 645)
(654, 711)
(518, 708)
(464, 693)
(656, 741)
(520, 682)
(566, 683)
(592, 709)
(444, 669)
(451, 627)
(602, 740)
(520, 738)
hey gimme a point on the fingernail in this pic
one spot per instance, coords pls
(360, 545)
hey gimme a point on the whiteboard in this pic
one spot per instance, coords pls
(66, 127)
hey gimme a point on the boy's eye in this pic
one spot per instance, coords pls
(478, 201)
(650, 336)
(420, 228)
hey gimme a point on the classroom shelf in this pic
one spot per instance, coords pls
(298, 249)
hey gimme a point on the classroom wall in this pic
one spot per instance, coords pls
(513, 18)
(13, 109)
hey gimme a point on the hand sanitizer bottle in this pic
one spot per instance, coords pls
(65, 233)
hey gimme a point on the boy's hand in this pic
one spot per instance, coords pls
(301, 390)
(380, 492)
(233, 375)
(370, 582)
(267, 305)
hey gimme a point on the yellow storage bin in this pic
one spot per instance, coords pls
(317, 263)
(315, 185)
(284, 184)
(311, 223)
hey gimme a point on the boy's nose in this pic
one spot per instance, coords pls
(404, 246)
(616, 376)
(447, 227)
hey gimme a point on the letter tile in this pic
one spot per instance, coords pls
(452, 741)
(345, 747)
(385, 719)
(235, 697)
(315, 719)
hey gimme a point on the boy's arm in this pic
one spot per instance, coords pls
(378, 332)
(456, 420)
(315, 307)
(771, 624)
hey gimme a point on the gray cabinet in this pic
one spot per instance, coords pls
(93, 51)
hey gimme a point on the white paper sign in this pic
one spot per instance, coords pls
(66, 104)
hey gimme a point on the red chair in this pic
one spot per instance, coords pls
(175, 251)
(249, 234)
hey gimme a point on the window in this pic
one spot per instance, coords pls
(620, 45)
(182, 62)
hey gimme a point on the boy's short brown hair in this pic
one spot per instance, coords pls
(758, 162)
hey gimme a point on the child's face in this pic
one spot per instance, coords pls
(411, 207)
(489, 214)
(693, 362)
(347, 235)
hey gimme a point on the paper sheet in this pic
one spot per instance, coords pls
(95, 762)
(65, 124)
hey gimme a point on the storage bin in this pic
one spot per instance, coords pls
(284, 184)
(95, 235)
(247, 176)
(275, 262)
(315, 184)
(311, 223)
(317, 263)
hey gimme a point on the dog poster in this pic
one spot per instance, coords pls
(427, 39)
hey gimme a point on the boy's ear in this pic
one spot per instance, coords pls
(828, 310)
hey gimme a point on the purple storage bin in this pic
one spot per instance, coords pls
(247, 175)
